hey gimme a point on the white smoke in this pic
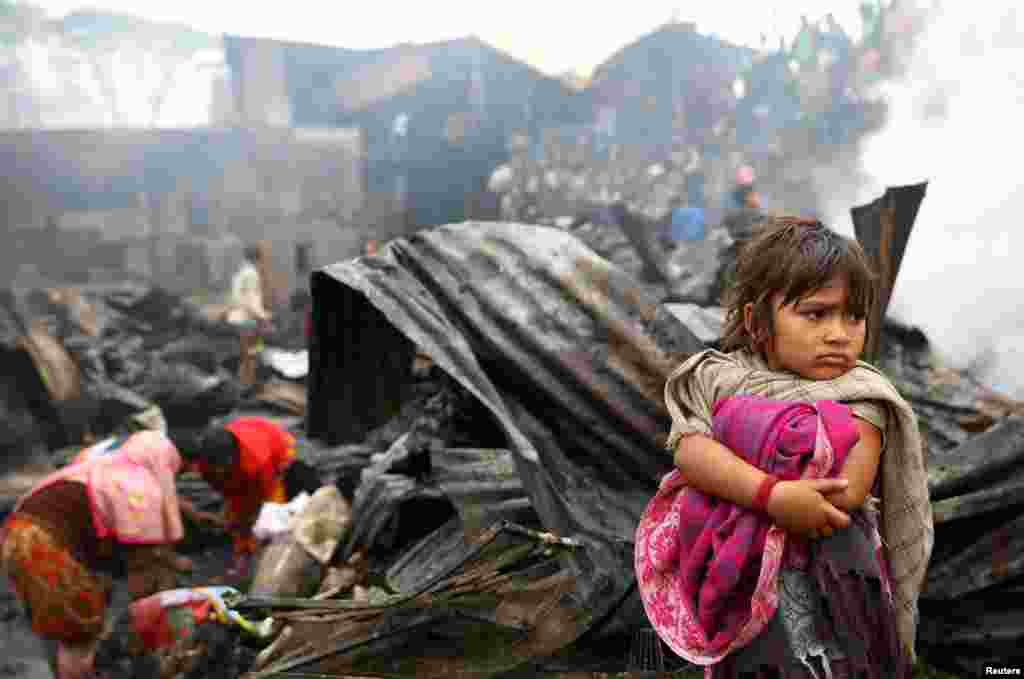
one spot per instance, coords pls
(144, 80)
(955, 121)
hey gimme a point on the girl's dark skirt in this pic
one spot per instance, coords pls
(835, 618)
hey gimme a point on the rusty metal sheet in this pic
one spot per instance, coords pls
(505, 307)
(565, 351)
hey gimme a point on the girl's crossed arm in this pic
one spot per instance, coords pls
(860, 468)
(799, 507)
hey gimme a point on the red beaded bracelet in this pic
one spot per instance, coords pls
(764, 491)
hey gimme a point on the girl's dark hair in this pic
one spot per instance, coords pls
(251, 253)
(214, 445)
(794, 257)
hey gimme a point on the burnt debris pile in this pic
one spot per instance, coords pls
(488, 397)
(86, 362)
(485, 406)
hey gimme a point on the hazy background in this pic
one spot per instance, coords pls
(952, 121)
(555, 37)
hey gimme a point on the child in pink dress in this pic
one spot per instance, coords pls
(755, 564)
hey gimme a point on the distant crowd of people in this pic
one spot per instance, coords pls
(741, 137)
(812, 98)
(821, 79)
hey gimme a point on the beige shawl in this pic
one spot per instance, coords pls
(906, 527)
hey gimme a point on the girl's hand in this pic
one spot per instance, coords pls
(802, 508)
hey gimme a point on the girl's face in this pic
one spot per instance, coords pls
(816, 337)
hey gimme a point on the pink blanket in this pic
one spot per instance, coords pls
(708, 569)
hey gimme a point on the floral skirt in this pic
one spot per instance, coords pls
(66, 601)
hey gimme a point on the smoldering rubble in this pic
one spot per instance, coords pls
(486, 398)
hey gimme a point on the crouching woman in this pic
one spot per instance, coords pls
(79, 528)
(250, 461)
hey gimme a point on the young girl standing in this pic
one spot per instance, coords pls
(841, 600)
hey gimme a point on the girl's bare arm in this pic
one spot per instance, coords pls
(714, 469)
(797, 506)
(860, 468)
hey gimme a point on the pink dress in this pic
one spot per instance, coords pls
(727, 589)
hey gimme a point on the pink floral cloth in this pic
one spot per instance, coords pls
(132, 492)
(708, 569)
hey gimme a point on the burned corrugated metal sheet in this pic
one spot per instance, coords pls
(980, 460)
(378, 511)
(563, 349)
(569, 359)
(483, 485)
(883, 229)
(970, 608)
(1000, 495)
(994, 556)
(425, 475)
(524, 308)
(975, 629)
(904, 203)
(358, 361)
(439, 552)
